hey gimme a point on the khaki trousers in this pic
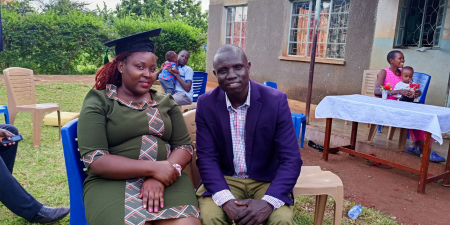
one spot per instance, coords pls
(241, 188)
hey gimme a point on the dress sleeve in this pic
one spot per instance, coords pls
(92, 140)
(180, 138)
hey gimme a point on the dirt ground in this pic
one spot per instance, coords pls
(391, 191)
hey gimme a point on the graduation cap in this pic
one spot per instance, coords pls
(135, 43)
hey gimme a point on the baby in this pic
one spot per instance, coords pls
(166, 79)
(407, 74)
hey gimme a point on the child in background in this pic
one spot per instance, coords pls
(417, 136)
(407, 74)
(166, 79)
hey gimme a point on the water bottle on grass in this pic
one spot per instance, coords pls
(354, 212)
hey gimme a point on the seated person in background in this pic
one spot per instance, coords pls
(405, 84)
(248, 153)
(393, 76)
(166, 79)
(184, 93)
(12, 194)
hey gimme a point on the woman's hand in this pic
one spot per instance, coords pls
(165, 172)
(152, 194)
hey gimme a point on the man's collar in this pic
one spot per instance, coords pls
(246, 103)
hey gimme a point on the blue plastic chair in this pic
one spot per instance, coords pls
(271, 84)
(424, 81)
(299, 120)
(75, 172)
(199, 84)
(4, 109)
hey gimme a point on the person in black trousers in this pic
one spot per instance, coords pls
(13, 195)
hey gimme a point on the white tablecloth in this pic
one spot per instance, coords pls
(364, 109)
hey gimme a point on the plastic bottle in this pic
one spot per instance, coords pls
(354, 212)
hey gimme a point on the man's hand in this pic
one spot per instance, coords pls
(174, 72)
(232, 209)
(6, 134)
(256, 213)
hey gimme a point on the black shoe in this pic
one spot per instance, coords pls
(315, 146)
(49, 215)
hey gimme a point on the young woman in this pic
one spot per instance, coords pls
(134, 144)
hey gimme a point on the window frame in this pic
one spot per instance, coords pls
(232, 28)
(404, 9)
(326, 59)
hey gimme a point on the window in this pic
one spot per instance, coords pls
(420, 23)
(236, 26)
(332, 28)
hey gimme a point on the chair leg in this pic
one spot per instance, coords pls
(302, 140)
(59, 123)
(37, 127)
(372, 132)
(391, 132)
(338, 205)
(12, 116)
(402, 139)
(321, 202)
(7, 117)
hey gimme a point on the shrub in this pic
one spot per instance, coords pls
(51, 43)
(175, 36)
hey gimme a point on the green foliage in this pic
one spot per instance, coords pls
(51, 42)
(175, 36)
(189, 11)
(64, 37)
(197, 61)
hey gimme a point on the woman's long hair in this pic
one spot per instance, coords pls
(109, 74)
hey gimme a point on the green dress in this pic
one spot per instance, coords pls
(136, 130)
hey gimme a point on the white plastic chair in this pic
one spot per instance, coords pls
(314, 181)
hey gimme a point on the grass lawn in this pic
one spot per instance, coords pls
(41, 170)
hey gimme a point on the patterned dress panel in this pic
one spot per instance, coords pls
(90, 157)
(155, 122)
(187, 148)
(134, 212)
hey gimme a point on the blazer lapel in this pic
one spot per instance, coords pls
(252, 119)
(224, 117)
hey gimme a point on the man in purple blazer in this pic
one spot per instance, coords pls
(248, 153)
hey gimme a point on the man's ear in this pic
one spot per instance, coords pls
(249, 64)
(215, 74)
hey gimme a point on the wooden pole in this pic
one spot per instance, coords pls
(311, 75)
(313, 61)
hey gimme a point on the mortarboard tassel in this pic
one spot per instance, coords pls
(106, 59)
